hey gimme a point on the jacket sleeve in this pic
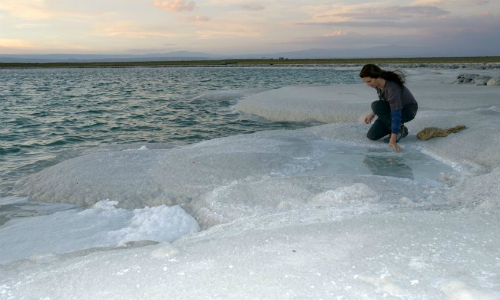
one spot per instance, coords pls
(396, 120)
(395, 102)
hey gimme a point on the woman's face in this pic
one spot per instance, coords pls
(371, 82)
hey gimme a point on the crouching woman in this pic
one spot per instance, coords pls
(396, 105)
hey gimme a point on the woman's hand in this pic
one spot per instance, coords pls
(369, 117)
(395, 147)
(392, 143)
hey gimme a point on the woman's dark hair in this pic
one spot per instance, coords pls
(371, 70)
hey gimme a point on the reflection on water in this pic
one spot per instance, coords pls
(388, 166)
(337, 158)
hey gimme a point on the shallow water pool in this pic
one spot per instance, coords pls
(358, 160)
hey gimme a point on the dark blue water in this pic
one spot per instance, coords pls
(48, 115)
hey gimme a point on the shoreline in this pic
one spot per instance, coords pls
(488, 62)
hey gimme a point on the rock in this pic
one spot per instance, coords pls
(472, 79)
(494, 81)
(481, 80)
(466, 78)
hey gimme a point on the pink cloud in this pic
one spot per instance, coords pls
(128, 30)
(197, 18)
(202, 18)
(175, 5)
(335, 33)
(16, 44)
(253, 7)
(392, 12)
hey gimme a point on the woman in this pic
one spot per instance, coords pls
(396, 105)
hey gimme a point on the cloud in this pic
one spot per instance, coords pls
(335, 33)
(30, 26)
(160, 49)
(175, 5)
(201, 19)
(436, 25)
(26, 9)
(429, 11)
(229, 33)
(432, 2)
(367, 24)
(451, 3)
(16, 44)
(385, 13)
(228, 29)
(454, 34)
(128, 30)
(41, 10)
(195, 19)
(480, 2)
(447, 30)
(253, 7)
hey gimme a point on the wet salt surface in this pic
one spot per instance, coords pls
(335, 158)
(412, 164)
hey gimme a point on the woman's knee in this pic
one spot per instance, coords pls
(379, 106)
(371, 136)
(378, 130)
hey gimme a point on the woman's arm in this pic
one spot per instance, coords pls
(392, 143)
(394, 99)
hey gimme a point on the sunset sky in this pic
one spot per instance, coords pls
(245, 27)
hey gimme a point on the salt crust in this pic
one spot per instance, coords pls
(302, 254)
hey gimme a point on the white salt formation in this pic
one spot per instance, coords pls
(103, 225)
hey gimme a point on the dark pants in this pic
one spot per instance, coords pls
(382, 126)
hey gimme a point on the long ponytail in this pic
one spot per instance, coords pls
(373, 71)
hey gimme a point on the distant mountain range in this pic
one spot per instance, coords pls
(379, 52)
(46, 58)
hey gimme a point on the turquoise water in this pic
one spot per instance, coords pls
(49, 115)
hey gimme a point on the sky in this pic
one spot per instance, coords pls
(246, 27)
